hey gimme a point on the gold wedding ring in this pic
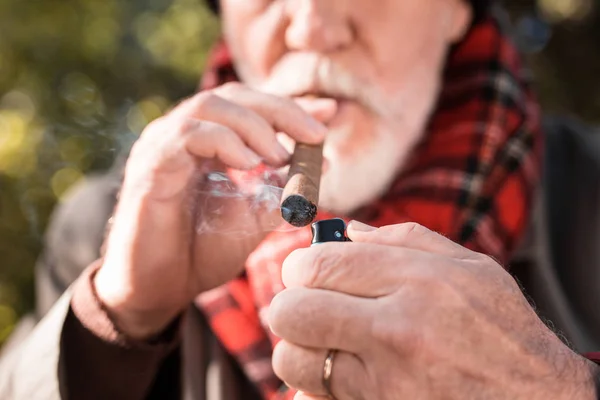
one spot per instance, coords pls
(327, 370)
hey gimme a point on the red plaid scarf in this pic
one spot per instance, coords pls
(473, 181)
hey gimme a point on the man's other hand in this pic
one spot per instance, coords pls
(415, 316)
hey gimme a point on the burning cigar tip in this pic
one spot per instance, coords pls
(298, 211)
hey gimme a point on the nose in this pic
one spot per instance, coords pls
(318, 25)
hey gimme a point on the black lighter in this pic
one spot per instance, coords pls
(329, 230)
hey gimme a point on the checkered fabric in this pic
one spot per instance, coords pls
(472, 180)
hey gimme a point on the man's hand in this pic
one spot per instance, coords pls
(415, 316)
(156, 262)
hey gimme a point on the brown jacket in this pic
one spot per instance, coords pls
(74, 352)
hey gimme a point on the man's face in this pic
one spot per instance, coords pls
(380, 59)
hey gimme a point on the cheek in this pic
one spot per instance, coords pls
(403, 38)
(254, 34)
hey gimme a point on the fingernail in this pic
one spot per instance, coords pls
(253, 158)
(360, 227)
(282, 153)
(318, 129)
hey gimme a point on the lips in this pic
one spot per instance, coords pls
(321, 95)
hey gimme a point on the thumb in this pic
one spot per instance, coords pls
(410, 235)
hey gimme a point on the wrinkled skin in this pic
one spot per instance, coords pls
(415, 316)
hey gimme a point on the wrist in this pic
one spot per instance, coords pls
(132, 322)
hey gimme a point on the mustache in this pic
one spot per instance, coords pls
(303, 74)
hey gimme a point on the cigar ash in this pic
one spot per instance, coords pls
(301, 193)
(298, 211)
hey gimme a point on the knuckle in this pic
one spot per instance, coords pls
(204, 101)
(493, 272)
(488, 260)
(324, 262)
(484, 265)
(410, 230)
(403, 233)
(230, 88)
(155, 137)
(175, 133)
(183, 126)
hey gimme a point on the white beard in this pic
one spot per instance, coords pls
(349, 184)
(355, 180)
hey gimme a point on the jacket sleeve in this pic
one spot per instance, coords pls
(30, 370)
(76, 352)
(74, 237)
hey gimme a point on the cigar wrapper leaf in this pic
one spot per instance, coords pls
(301, 193)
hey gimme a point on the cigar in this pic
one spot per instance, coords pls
(301, 193)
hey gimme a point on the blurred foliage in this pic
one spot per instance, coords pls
(79, 79)
(566, 70)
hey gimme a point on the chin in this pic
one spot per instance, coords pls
(365, 153)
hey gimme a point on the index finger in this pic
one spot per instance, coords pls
(282, 113)
(410, 235)
(358, 269)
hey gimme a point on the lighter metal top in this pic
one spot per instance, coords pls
(329, 230)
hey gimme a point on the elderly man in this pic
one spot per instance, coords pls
(425, 116)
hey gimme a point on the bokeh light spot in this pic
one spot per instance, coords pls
(74, 149)
(8, 318)
(63, 179)
(18, 143)
(144, 112)
(21, 102)
(81, 95)
(101, 38)
(560, 10)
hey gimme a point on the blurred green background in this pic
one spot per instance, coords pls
(79, 79)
